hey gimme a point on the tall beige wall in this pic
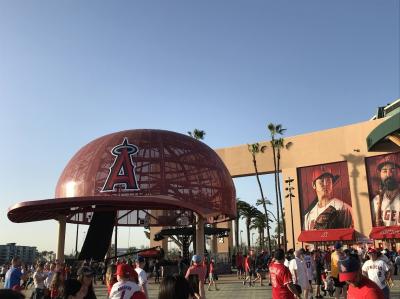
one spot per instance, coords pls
(347, 143)
(225, 244)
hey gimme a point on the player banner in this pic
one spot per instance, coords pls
(383, 185)
(324, 194)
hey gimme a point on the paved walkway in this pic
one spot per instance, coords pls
(230, 288)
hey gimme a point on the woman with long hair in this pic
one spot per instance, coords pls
(57, 285)
(82, 288)
(111, 277)
(176, 287)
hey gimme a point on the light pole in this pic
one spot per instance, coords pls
(76, 240)
(252, 242)
(241, 238)
(289, 189)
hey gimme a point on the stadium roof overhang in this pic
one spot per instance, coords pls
(387, 131)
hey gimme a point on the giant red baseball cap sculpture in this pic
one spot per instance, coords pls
(151, 177)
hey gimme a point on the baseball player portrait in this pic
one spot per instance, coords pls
(385, 206)
(326, 211)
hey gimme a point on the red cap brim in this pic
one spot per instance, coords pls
(349, 276)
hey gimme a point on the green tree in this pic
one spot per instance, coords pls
(238, 208)
(279, 145)
(247, 212)
(197, 134)
(241, 207)
(254, 150)
(258, 223)
(274, 131)
(279, 228)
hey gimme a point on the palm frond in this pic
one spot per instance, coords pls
(197, 134)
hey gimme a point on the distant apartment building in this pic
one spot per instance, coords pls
(26, 253)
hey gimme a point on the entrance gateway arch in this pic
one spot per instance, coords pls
(355, 154)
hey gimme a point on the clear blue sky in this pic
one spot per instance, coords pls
(71, 71)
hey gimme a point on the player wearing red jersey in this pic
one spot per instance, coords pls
(281, 279)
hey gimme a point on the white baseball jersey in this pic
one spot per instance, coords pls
(376, 271)
(301, 278)
(339, 205)
(124, 290)
(390, 210)
(309, 266)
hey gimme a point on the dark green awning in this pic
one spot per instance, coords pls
(389, 129)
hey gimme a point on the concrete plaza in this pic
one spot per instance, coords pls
(232, 288)
(229, 287)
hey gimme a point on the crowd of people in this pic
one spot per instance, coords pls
(339, 273)
(125, 279)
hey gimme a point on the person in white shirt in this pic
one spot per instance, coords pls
(298, 270)
(124, 288)
(378, 271)
(309, 263)
(140, 262)
(38, 280)
(50, 275)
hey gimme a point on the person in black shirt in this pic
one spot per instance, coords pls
(157, 267)
(181, 266)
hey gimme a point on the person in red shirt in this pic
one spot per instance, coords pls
(360, 286)
(211, 275)
(281, 279)
(248, 268)
(196, 275)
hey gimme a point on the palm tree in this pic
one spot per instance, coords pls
(248, 212)
(259, 224)
(280, 144)
(278, 228)
(239, 207)
(255, 149)
(197, 134)
(274, 131)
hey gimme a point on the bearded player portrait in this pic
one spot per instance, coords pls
(383, 180)
(326, 203)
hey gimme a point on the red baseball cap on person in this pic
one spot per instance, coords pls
(320, 171)
(372, 250)
(387, 159)
(124, 270)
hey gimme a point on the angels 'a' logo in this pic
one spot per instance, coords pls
(122, 171)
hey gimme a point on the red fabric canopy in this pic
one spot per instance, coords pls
(326, 235)
(385, 232)
(150, 253)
